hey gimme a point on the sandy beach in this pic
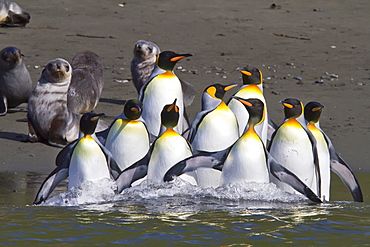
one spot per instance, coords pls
(296, 44)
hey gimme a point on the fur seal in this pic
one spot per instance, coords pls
(15, 80)
(87, 82)
(11, 15)
(142, 65)
(49, 119)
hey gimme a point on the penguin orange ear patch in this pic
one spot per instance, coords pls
(211, 91)
(287, 105)
(316, 108)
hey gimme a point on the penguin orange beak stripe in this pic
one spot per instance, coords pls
(287, 105)
(174, 59)
(317, 108)
(227, 88)
(246, 72)
(245, 102)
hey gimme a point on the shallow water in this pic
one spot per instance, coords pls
(178, 213)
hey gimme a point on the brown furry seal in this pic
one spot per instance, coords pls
(15, 80)
(142, 65)
(87, 82)
(11, 15)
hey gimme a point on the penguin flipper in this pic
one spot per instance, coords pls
(194, 125)
(188, 92)
(288, 177)
(213, 160)
(342, 169)
(271, 127)
(63, 157)
(3, 105)
(134, 172)
(48, 186)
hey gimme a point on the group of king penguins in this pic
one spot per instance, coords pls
(229, 141)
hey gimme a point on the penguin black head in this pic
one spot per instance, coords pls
(218, 91)
(255, 108)
(292, 108)
(312, 111)
(11, 56)
(88, 122)
(167, 59)
(251, 75)
(170, 115)
(132, 109)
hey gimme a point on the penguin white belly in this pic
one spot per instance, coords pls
(246, 162)
(217, 131)
(128, 141)
(292, 148)
(88, 163)
(242, 115)
(324, 162)
(162, 90)
(169, 149)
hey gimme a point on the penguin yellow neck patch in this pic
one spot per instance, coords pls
(252, 88)
(293, 123)
(167, 74)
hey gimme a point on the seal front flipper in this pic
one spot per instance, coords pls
(290, 178)
(188, 92)
(3, 105)
(213, 160)
(47, 187)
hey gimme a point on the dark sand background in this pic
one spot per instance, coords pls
(319, 37)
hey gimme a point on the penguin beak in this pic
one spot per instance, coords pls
(286, 104)
(241, 100)
(179, 57)
(173, 106)
(230, 86)
(97, 116)
(245, 72)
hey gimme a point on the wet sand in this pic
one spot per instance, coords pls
(307, 40)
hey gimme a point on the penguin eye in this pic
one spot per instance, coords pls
(67, 68)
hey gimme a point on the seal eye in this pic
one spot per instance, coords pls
(67, 68)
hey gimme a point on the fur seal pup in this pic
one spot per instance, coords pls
(87, 82)
(15, 80)
(11, 15)
(142, 65)
(49, 119)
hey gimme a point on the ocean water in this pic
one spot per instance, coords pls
(249, 214)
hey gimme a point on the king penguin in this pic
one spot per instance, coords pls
(168, 149)
(85, 159)
(328, 157)
(294, 147)
(247, 160)
(251, 88)
(213, 129)
(128, 138)
(163, 86)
